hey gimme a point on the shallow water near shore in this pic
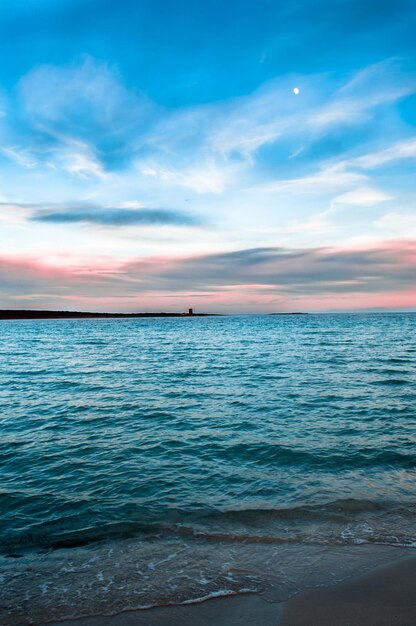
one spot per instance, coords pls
(149, 461)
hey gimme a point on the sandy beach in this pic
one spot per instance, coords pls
(384, 597)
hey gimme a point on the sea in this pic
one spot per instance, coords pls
(148, 462)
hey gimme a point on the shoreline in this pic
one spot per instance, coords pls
(25, 314)
(383, 596)
(236, 610)
(10, 314)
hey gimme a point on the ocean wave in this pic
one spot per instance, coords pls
(337, 522)
(126, 574)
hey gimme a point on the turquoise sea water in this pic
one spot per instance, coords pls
(150, 434)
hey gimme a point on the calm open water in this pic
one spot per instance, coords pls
(147, 459)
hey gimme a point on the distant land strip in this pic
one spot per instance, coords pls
(11, 314)
(290, 313)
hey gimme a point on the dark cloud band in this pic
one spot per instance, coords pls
(117, 217)
(113, 216)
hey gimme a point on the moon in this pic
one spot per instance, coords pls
(296, 91)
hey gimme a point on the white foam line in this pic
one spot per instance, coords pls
(222, 593)
(219, 594)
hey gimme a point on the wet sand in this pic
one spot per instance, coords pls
(245, 610)
(384, 597)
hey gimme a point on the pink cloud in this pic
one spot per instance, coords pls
(259, 279)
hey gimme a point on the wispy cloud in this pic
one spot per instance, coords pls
(78, 159)
(82, 119)
(20, 156)
(361, 197)
(399, 151)
(84, 104)
(372, 87)
(330, 178)
(205, 178)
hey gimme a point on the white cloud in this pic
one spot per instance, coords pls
(13, 213)
(370, 88)
(246, 141)
(314, 225)
(78, 159)
(82, 165)
(206, 178)
(93, 125)
(83, 106)
(397, 152)
(362, 196)
(398, 224)
(297, 152)
(245, 124)
(20, 156)
(131, 204)
(328, 179)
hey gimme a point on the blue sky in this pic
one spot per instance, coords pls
(153, 155)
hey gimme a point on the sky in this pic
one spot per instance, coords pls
(234, 157)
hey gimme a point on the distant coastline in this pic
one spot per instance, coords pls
(11, 314)
(290, 313)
